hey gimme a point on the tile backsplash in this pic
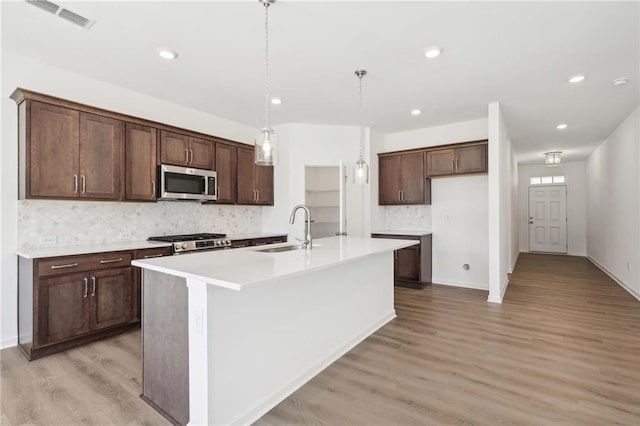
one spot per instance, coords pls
(407, 218)
(40, 222)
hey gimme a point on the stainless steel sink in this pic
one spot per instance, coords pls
(280, 249)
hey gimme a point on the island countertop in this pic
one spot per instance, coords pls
(238, 268)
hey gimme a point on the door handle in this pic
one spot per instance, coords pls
(186, 155)
(93, 286)
(86, 288)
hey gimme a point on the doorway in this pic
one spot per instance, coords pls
(548, 219)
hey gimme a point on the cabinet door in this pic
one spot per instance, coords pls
(63, 308)
(141, 163)
(201, 154)
(413, 178)
(264, 184)
(390, 183)
(408, 264)
(471, 159)
(440, 162)
(174, 148)
(101, 165)
(110, 297)
(245, 178)
(53, 153)
(225, 167)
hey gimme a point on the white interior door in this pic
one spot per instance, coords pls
(548, 218)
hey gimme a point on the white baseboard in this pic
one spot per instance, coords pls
(498, 299)
(616, 279)
(513, 265)
(456, 283)
(9, 342)
(278, 396)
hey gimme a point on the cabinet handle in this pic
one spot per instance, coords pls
(399, 199)
(217, 192)
(191, 155)
(75, 184)
(70, 265)
(186, 155)
(260, 243)
(255, 198)
(277, 242)
(402, 195)
(86, 287)
(453, 167)
(153, 187)
(111, 261)
(84, 184)
(257, 195)
(93, 286)
(149, 256)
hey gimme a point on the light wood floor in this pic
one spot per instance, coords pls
(563, 348)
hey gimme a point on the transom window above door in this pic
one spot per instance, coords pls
(546, 180)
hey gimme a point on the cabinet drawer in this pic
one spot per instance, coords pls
(151, 253)
(70, 264)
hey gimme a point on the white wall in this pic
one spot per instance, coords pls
(575, 178)
(613, 204)
(513, 218)
(501, 208)
(458, 215)
(19, 71)
(314, 145)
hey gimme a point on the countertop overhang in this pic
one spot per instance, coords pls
(240, 268)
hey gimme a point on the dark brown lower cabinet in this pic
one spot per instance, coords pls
(136, 287)
(110, 298)
(411, 265)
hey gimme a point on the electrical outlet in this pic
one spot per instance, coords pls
(124, 236)
(47, 240)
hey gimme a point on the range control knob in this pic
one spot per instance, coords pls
(185, 245)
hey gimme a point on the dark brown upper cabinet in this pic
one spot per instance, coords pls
(183, 150)
(141, 163)
(457, 160)
(255, 183)
(225, 167)
(71, 154)
(403, 180)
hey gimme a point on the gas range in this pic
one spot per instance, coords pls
(194, 242)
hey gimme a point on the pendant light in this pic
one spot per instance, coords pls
(552, 159)
(266, 143)
(361, 169)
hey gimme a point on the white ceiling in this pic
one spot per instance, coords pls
(519, 54)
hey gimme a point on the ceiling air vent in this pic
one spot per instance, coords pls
(44, 5)
(74, 18)
(65, 14)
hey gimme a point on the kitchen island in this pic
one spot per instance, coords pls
(229, 334)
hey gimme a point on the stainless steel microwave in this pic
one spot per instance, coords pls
(184, 183)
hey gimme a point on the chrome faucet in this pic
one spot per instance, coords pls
(306, 243)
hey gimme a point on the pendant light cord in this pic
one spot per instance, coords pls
(266, 62)
(361, 74)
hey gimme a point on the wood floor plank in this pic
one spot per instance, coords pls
(562, 349)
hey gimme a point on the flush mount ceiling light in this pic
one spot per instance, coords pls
(416, 111)
(552, 159)
(433, 52)
(60, 12)
(361, 169)
(561, 126)
(266, 142)
(167, 54)
(620, 81)
(577, 78)
(276, 101)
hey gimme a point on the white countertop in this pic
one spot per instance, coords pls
(405, 232)
(255, 235)
(239, 268)
(55, 251)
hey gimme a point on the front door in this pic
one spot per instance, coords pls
(548, 219)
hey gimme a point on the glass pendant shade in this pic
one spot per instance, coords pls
(266, 147)
(552, 158)
(361, 172)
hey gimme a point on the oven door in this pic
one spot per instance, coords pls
(183, 183)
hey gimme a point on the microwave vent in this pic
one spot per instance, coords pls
(65, 14)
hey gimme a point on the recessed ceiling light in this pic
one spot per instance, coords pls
(620, 81)
(577, 78)
(276, 101)
(416, 111)
(167, 54)
(561, 126)
(433, 52)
